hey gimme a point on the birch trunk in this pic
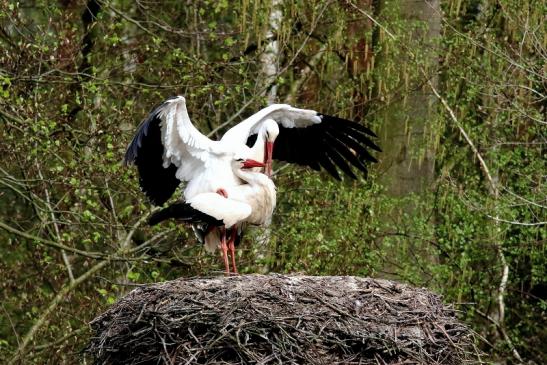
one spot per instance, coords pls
(270, 57)
(269, 60)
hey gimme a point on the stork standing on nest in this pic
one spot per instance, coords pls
(216, 216)
(168, 149)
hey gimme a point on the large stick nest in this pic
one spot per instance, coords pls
(279, 319)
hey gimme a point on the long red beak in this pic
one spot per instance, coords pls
(247, 164)
(268, 158)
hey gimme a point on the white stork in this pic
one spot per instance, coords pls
(212, 214)
(167, 148)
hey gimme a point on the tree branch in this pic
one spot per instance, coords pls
(483, 165)
(494, 191)
(55, 226)
(42, 320)
(502, 332)
(45, 241)
(371, 18)
(89, 254)
(54, 303)
(290, 98)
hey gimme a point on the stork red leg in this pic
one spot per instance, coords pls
(224, 249)
(232, 248)
(223, 245)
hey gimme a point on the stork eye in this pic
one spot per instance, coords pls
(239, 160)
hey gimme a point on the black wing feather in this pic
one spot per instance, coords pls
(341, 163)
(330, 144)
(361, 137)
(146, 151)
(350, 124)
(251, 140)
(327, 164)
(344, 129)
(354, 145)
(347, 154)
(201, 230)
(185, 212)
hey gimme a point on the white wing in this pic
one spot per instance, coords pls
(284, 114)
(167, 148)
(221, 208)
(184, 146)
(309, 138)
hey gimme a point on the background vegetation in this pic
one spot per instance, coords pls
(457, 204)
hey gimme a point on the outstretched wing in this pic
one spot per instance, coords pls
(167, 149)
(333, 143)
(309, 138)
(284, 114)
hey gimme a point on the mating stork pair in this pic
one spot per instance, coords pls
(224, 191)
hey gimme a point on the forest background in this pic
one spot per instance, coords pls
(456, 90)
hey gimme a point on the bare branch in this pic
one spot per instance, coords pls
(371, 18)
(62, 339)
(46, 242)
(55, 225)
(495, 193)
(304, 74)
(483, 165)
(129, 19)
(502, 331)
(516, 222)
(89, 254)
(42, 320)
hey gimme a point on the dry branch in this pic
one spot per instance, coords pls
(267, 319)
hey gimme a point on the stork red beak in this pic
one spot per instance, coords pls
(268, 158)
(247, 164)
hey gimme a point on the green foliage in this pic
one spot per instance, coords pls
(67, 112)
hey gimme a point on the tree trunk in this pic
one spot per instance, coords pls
(408, 159)
(407, 164)
(270, 68)
(270, 57)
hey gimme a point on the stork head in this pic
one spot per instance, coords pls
(271, 131)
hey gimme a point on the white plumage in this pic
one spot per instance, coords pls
(252, 202)
(203, 163)
(284, 114)
(228, 210)
(168, 149)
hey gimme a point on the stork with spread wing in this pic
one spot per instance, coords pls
(168, 149)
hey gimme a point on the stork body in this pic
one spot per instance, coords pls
(258, 191)
(252, 202)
